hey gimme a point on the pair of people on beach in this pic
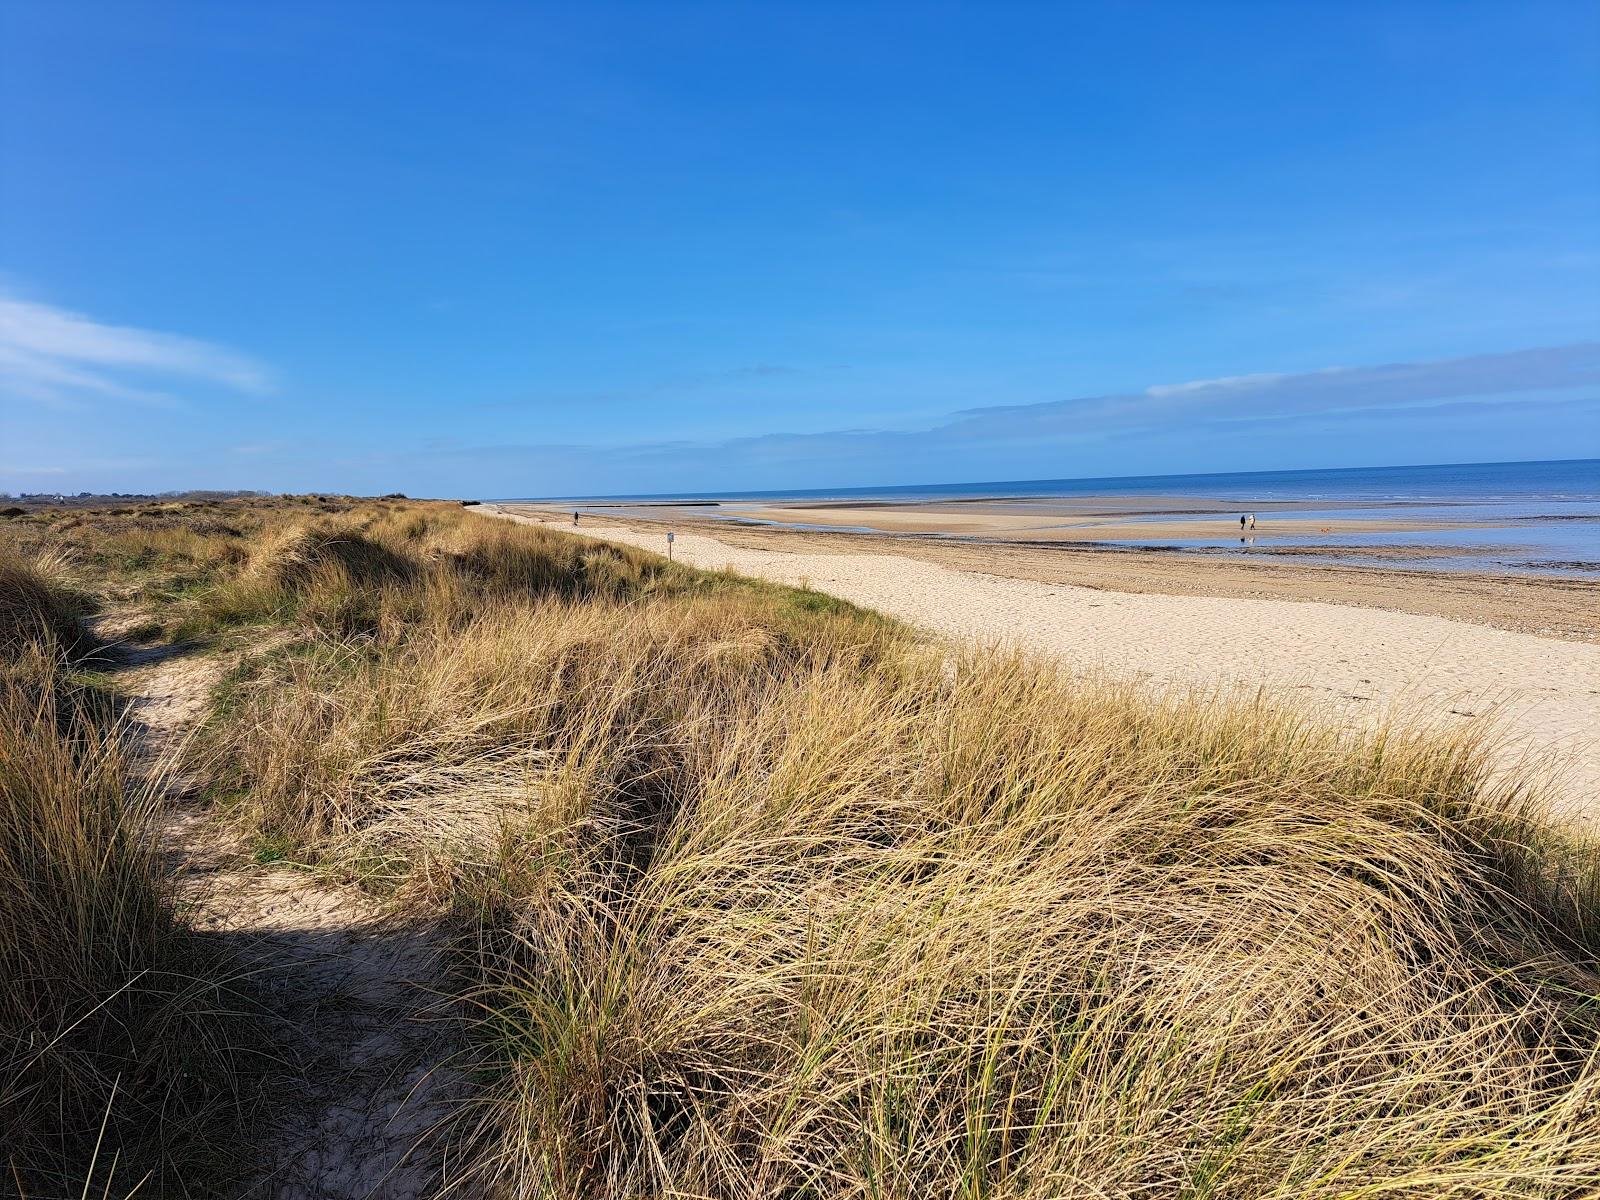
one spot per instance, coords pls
(1243, 517)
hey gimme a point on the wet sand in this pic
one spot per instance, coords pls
(1182, 621)
(1074, 523)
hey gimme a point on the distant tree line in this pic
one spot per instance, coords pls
(174, 495)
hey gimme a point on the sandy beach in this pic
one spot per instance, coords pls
(1539, 695)
(1560, 606)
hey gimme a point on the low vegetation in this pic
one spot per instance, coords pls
(756, 894)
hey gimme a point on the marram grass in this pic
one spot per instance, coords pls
(762, 897)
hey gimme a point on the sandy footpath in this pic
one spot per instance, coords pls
(362, 1082)
(1541, 695)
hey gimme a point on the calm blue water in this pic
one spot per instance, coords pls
(1564, 479)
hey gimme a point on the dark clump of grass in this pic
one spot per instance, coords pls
(535, 562)
(39, 605)
(331, 572)
(303, 556)
(149, 630)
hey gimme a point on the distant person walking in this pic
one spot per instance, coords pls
(1241, 522)
(1252, 520)
(574, 518)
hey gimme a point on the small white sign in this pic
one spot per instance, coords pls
(672, 537)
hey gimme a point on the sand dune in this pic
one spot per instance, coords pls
(1541, 696)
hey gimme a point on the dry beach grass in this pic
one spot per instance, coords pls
(753, 893)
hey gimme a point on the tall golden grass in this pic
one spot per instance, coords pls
(762, 897)
(40, 606)
(121, 1040)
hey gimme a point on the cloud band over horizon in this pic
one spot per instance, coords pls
(1540, 381)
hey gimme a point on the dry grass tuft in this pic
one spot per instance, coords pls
(40, 605)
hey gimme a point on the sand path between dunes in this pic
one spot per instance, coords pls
(1540, 696)
(365, 1086)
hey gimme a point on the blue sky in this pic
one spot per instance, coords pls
(528, 249)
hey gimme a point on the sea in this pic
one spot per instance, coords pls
(1541, 516)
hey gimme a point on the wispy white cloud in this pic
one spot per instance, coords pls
(1392, 385)
(54, 356)
(1227, 381)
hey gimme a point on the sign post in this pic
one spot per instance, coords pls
(671, 537)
